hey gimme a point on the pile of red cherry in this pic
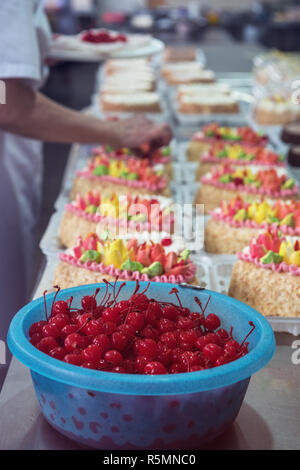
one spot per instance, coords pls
(102, 36)
(136, 336)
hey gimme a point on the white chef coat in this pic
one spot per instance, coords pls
(24, 40)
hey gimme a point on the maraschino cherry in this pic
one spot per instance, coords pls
(136, 336)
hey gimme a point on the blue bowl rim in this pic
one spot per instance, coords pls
(134, 384)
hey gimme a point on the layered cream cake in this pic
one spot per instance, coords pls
(180, 54)
(214, 102)
(144, 102)
(191, 76)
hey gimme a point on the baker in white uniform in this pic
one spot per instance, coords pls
(26, 119)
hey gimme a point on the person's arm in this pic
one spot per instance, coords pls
(30, 114)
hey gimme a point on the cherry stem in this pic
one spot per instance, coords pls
(106, 290)
(54, 298)
(175, 291)
(200, 305)
(144, 291)
(251, 331)
(85, 323)
(114, 288)
(119, 290)
(44, 295)
(94, 297)
(137, 287)
(70, 300)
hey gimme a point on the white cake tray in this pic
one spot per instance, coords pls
(155, 46)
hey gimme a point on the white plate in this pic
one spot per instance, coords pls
(155, 46)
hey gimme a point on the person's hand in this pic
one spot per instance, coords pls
(137, 131)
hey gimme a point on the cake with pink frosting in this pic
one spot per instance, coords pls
(250, 182)
(238, 155)
(125, 214)
(232, 226)
(114, 175)
(213, 133)
(267, 275)
(160, 157)
(96, 257)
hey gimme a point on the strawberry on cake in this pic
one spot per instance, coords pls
(214, 133)
(252, 183)
(267, 275)
(238, 155)
(126, 214)
(95, 258)
(108, 176)
(232, 226)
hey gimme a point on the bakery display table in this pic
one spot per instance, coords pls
(269, 417)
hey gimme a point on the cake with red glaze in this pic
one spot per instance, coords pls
(232, 226)
(95, 258)
(214, 133)
(226, 182)
(114, 175)
(117, 214)
(267, 275)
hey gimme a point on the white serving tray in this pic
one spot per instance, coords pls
(155, 46)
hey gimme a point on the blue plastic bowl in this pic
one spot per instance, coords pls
(125, 411)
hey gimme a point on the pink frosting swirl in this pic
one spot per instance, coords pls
(161, 184)
(129, 275)
(250, 189)
(228, 219)
(131, 224)
(278, 268)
